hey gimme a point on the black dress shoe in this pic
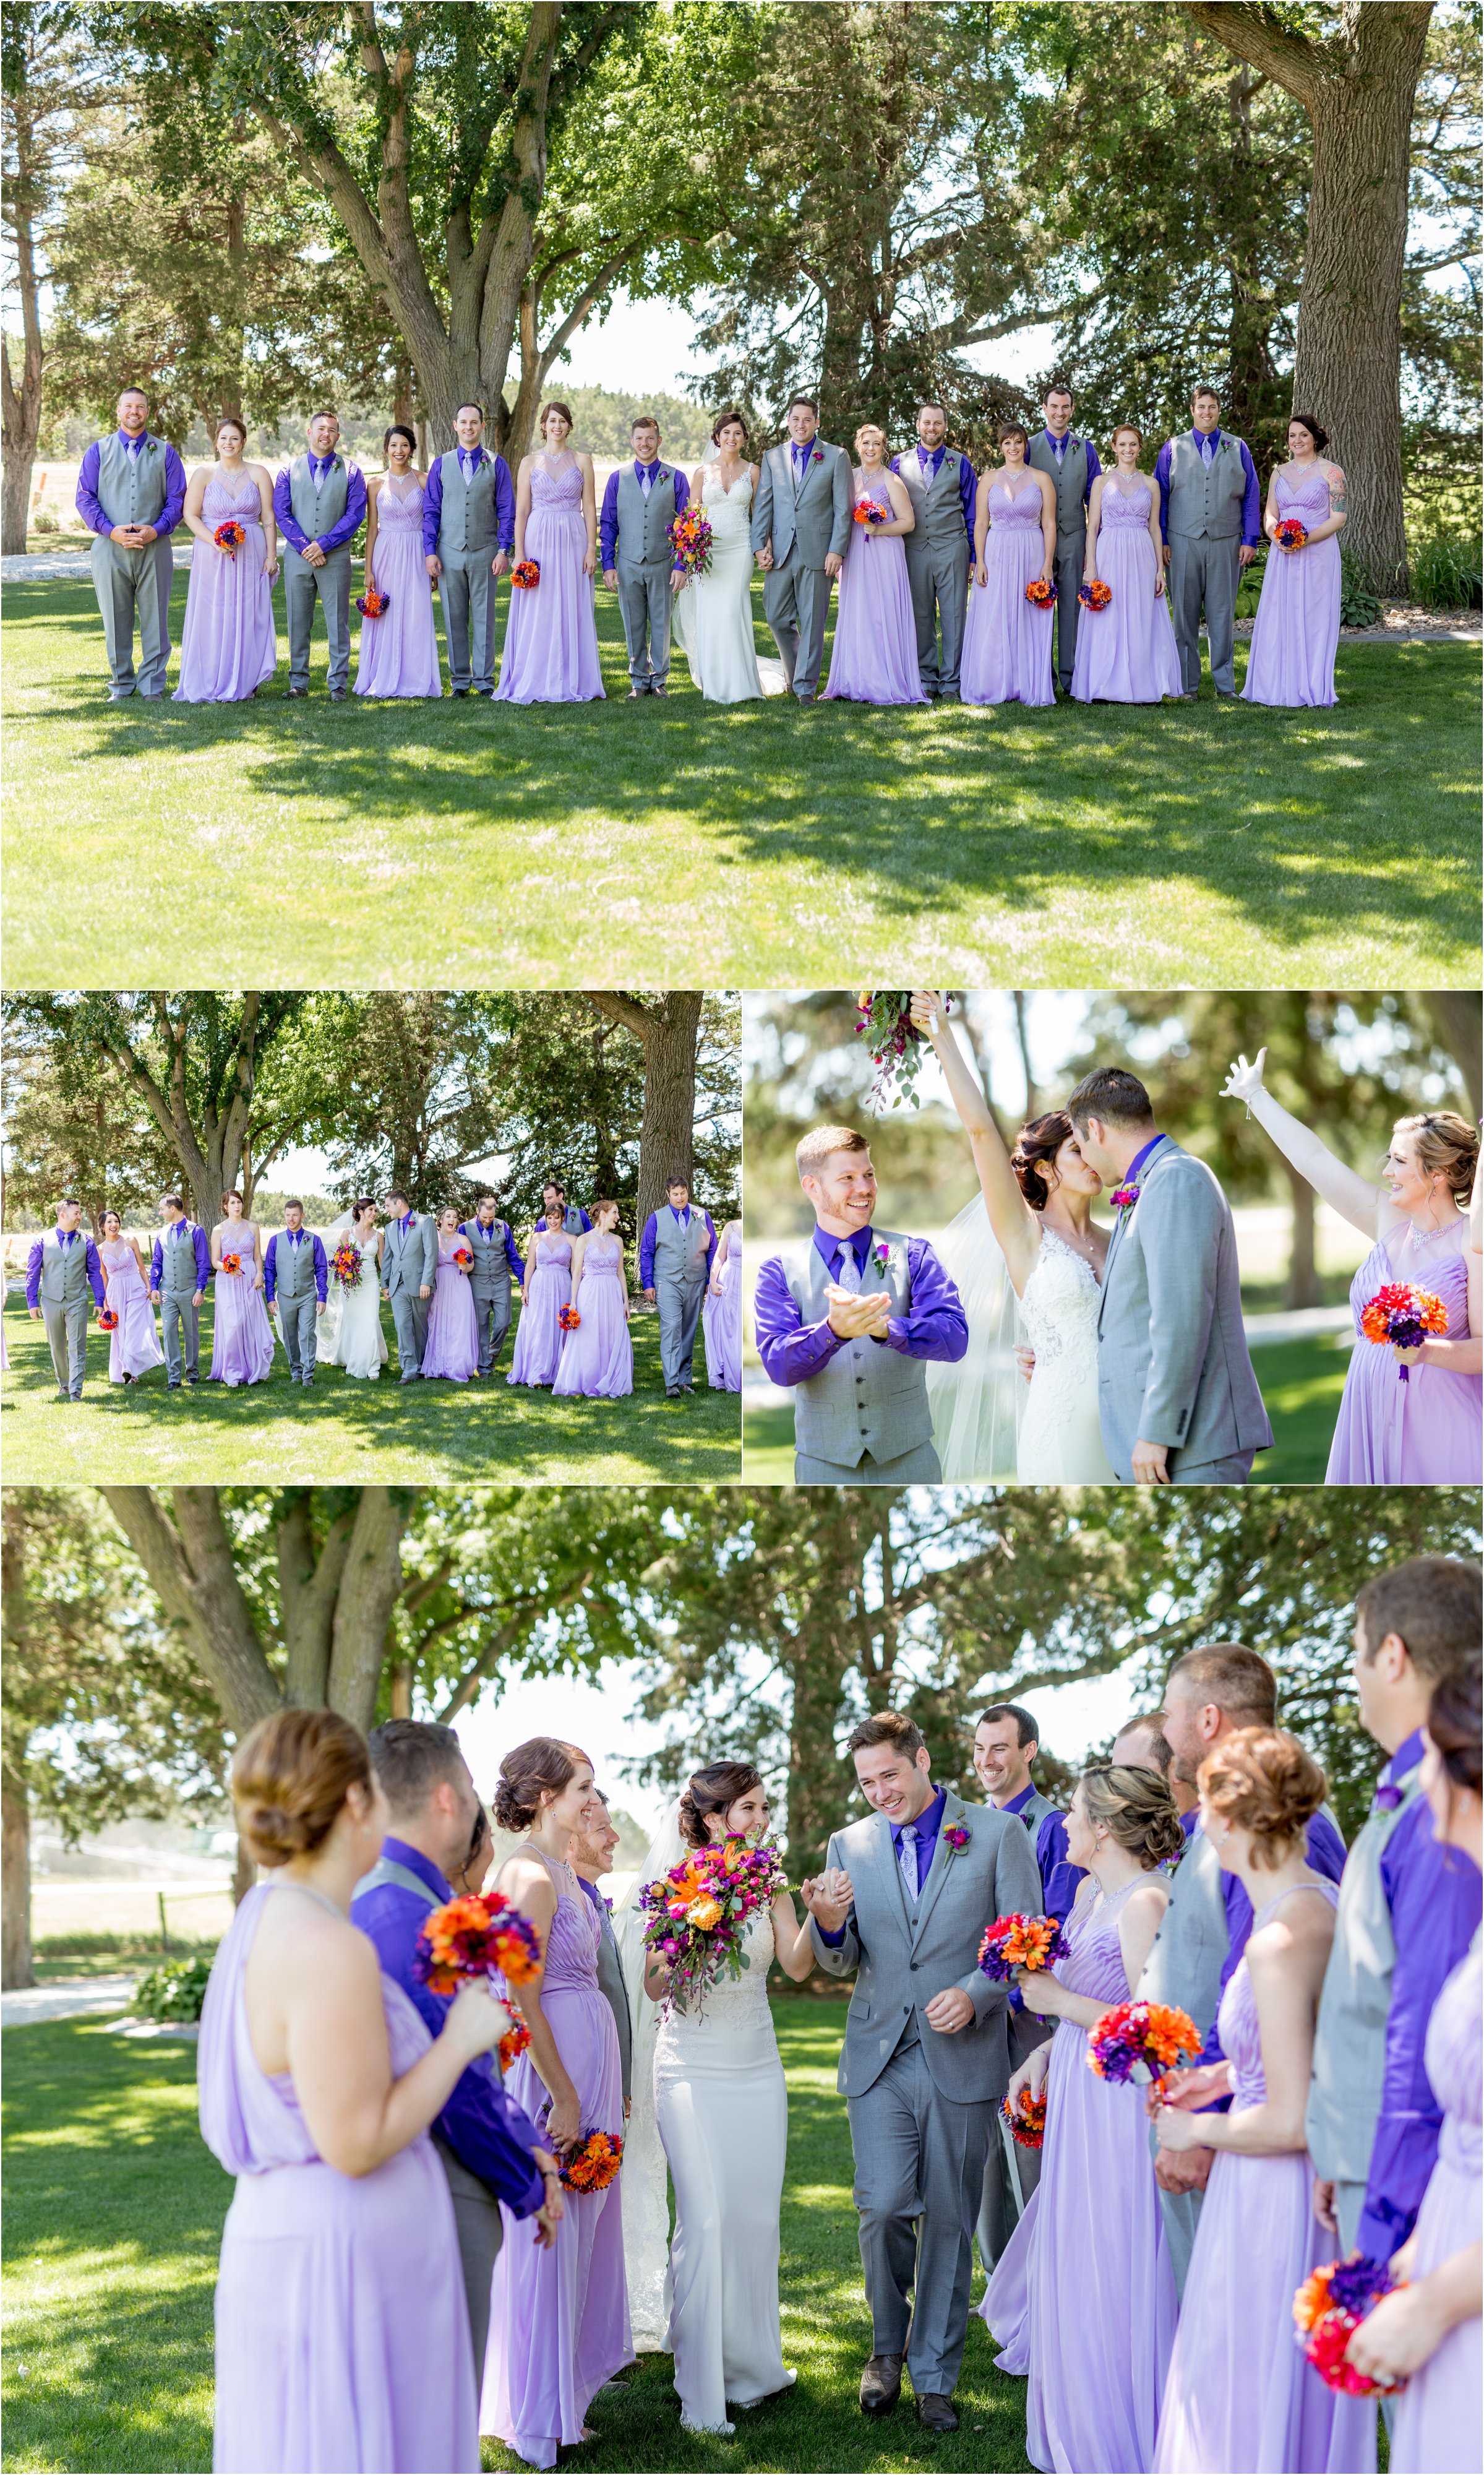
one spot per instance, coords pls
(881, 2384)
(637, 692)
(937, 2413)
(337, 695)
(458, 692)
(659, 688)
(289, 693)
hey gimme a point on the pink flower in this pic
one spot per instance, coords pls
(957, 1836)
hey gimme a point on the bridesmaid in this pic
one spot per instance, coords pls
(559, 2325)
(229, 643)
(1239, 2392)
(721, 1312)
(1084, 2295)
(1125, 655)
(551, 650)
(1432, 2332)
(134, 1344)
(543, 1293)
(399, 651)
(1007, 640)
(241, 1334)
(1426, 1432)
(1297, 631)
(597, 1359)
(452, 1349)
(874, 656)
(342, 2331)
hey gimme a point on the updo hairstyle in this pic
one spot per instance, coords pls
(1013, 429)
(230, 421)
(1262, 1779)
(714, 1790)
(724, 420)
(1136, 1806)
(541, 1762)
(1453, 1724)
(1447, 1145)
(1039, 1141)
(363, 1203)
(870, 430)
(1132, 429)
(399, 429)
(289, 1779)
(1307, 421)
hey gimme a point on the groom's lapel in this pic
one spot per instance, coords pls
(942, 1858)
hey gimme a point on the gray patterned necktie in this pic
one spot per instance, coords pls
(849, 1274)
(907, 1858)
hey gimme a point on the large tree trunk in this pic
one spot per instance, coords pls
(17, 1966)
(363, 1607)
(20, 406)
(668, 1026)
(1457, 1016)
(186, 1553)
(1303, 1278)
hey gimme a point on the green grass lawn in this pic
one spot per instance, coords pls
(113, 2214)
(355, 1430)
(460, 844)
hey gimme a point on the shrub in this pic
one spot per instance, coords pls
(44, 522)
(1446, 573)
(176, 1990)
(1360, 604)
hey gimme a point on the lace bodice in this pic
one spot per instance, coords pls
(236, 1237)
(557, 493)
(396, 515)
(727, 511)
(736, 2003)
(219, 502)
(1012, 509)
(367, 1276)
(1059, 1307)
(603, 1254)
(1126, 511)
(1236, 2021)
(1309, 499)
(1438, 1267)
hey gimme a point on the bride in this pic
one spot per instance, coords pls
(1038, 1200)
(709, 2096)
(713, 611)
(349, 1329)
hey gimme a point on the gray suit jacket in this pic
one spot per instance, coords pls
(1172, 1356)
(965, 1890)
(410, 1261)
(610, 1977)
(809, 524)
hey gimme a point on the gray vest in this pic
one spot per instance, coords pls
(867, 1398)
(1205, 499)
(469, 518)
(132, 486)
(318, 515)
(491, 1270)
(177, 1260)
(681, 1247)
(293, 1266)
(1350, 2035)
(572, 1223)
(644, 521)
(1190, 1948)
(936, 506)
(64, 1269)
(1068, 473)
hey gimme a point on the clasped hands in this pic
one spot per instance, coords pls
(854, 1318)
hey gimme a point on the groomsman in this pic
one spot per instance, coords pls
(939, 549)
(180, 1268)
(640, 505)
(469, 513)
(295, 1272)
(1071, 465)
(592, 1856)
(61, 1268)
(846, 1320)
(1211, 514)
(130, 488)
(320, 506)
(410, 1275)
(674, 1265)
(496, 1264)
(800, 528)
(574, 1220)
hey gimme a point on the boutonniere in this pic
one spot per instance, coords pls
(1387, 1798)
(1125, 1197)
(882, 1252)
(957, 1836)
(818, 457)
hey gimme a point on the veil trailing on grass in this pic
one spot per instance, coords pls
(977, 1405)
(645, 2174)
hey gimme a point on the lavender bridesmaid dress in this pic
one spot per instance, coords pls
(1438, 2426)
(559, 2325)
(1239, 2393)
(452, 1349)
(597, 1359)
(1084, 2295)
(874, 656)
(1007, 640)
(1426, 1432)
(551, 652)
(1125, 655)
(136, 1344)
(399, 651)
(538, 1340)
(229, 644)
(722, 1323)
(241, 1334)
(1297, 631)
(342, 2331)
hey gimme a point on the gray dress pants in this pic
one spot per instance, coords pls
(329, 586)
(680, 1312)
(645, 597)
(938, 581)
(1070, 554)
(920, 1465)
(409, 1317)
(477, 2219)
(1011, 2172)
(133, 585)
(1204, 575)
(179, 1331)
(492, 1320)
(67, 1333)
(466, 588)
(299, 1317)
(919, 2169)
(796, 603)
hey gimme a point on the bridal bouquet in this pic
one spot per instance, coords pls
(1291, 534)
(373, 602)
(231, 1263)
(1018, 1941)
(1026, 2120)
(884, 1021)
(865, 513)
(346, 1263)
(478, 1935)
(1042, 594)
(1329, 2308)
(1401, 1316)
(1095, 595)
(1141, 2041)
(698, 1914)
(230, 537)
(689, 538)
(526, 575)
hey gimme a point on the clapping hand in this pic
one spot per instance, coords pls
(855, 1318)
(1244, 1082)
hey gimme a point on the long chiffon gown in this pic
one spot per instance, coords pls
(1007, 640)
(399, 651)
(597, 1359)
(229, 642)
(1296, 633)
(1426, 1432)
(342, 2331)
(1084, 2295)
(1437, 2429)
(538, 1340)
(551, 652)
(241, 1334)
(1239, 2392)
(721, 1323)
(559, 2324)
(134, 1345)
(712, 616)
(1125, 655)
(874, 656)
(452, 1349)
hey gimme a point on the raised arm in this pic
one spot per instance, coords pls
(1349, 1194)
(1017, 1229)
(794, 1942)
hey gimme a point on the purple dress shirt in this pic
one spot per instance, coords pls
(1252, 518)
(792, 1351)
(476, 1235)
(647, 1241)
(202, 1251)
(608, 518)
(504, 499)
(66, 1237)
(306, 1237)
(1060, 1881)
(928, 1825)
(928, 467)
(339, 534)
(93, 514)
(1058, 448)
(487, 2131)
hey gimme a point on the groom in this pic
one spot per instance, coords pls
(410, 1275)
(1178, 1400)
(924, 2067)
(800, 527)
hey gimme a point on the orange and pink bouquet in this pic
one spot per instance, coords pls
(1026, 2120)
(1329, 2308)
(1042, 594)
(478, 1935)
(1401, 1316)
(1142, 2041)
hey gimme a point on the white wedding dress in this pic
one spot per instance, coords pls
(350, 1329)
(987, 1422)
(713, 614)
(1060, 1440)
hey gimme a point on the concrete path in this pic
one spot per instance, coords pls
(66, 1998)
